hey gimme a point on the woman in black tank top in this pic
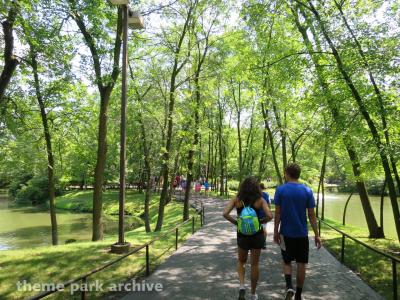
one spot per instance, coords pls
(249, 195)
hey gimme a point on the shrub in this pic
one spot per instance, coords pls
(18, 182)
(35, 191)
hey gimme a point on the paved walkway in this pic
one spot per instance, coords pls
(205, 268)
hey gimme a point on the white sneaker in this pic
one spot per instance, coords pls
(289, 294)
(254, 297)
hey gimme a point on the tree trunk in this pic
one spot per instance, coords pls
(147, 167)
(215, 164)
(100, 166)
(195, 139)
(222, 153)
(248, 157)
(271, 141)
(209, 154)
(10, 62)
(238, 108)
(105, 93)
(191, 163)
(282, 132)
(261, 166)
(381, 206)
(50, 158)
(374, 230)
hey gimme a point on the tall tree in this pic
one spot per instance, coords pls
(92, 33)
(178, 64)
(200, 57)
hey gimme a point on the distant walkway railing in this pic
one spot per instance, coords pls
(394, 259)
(83, 278)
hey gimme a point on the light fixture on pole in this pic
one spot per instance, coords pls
(134, 18)
(119, 2)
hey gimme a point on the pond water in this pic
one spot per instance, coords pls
(334, 207)
(25, 227)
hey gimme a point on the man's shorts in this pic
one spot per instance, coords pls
(248, 242)
(294, 249)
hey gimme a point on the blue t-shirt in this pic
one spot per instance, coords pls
(261, 212)
(294, 199)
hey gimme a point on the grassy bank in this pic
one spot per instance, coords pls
(82, 201)
(61, 263)
(373, 268)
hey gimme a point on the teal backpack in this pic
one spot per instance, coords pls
(248, 223)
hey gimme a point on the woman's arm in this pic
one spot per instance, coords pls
(227, 211)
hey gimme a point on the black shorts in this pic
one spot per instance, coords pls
(248, 242)
(294, 249)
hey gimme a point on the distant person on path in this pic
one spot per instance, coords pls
(292, 200)
(206, 188)
(262, 215)
(250, 235)
(197, 188)
(183, 184)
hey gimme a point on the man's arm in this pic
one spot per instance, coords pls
(277, 221)
(313, 222)
(227, 211)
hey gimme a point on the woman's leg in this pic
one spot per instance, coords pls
(242, 258)
(255, 257)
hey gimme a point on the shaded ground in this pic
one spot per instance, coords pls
(205, 268)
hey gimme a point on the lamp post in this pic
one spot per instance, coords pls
(136, 20)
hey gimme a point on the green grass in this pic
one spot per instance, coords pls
(373, 268)
(64, 262)
(82, 201)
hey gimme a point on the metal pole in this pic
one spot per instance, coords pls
(201, 214)
(122, 160)
(342, 253)
(147, 261)
(319, 227)
(394, 272)
(204, 219)
(192, 224)
(176, 238)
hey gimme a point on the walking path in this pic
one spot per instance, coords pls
(204, 267)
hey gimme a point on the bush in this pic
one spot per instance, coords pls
(35, 191)
(233, 185)
(18, 182)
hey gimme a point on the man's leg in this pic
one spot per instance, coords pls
(287, 271)
(255, 257)
(301, 275)
(287, 250)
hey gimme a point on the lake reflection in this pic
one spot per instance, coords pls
(27, 227)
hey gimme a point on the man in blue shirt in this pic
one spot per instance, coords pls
(292, 201)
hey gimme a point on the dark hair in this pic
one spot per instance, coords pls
(249, 190)
(293, 170)
(262, 186)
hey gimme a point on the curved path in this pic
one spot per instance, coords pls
(204, 267)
